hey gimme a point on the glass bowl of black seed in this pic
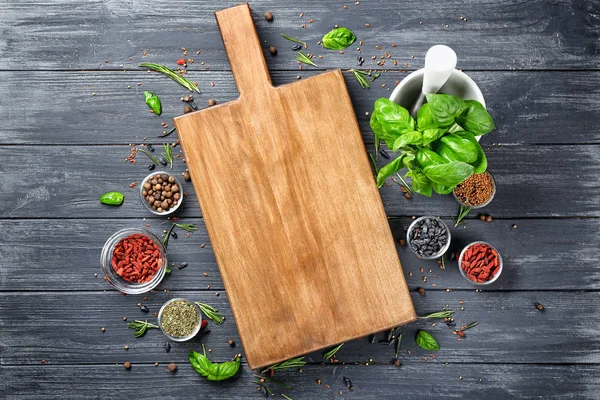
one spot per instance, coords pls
(428, 237)
(161, 193)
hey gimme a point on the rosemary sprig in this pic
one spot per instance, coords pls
(210, 312)
(443, 264)
(374, 164)
(405, 185)
(291, 39)
(469, 326)
(150, 156)
(375, 76)
(303, 58)
(185, 227)
(286, 397)
(259, 383)
(141, 327)
(167, 133)
(168, 154)
(398, 341)
(439, 314)
(291, 363)
(362, 78)
(464, 210)
(274, 381)
(186, 83)
(332, 352)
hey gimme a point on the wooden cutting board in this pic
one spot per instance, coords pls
(290, 203)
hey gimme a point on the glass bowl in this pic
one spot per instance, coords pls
(145, 203)
(182, 338)
(441, 251)
(481, 205)
(494, 279)
(117, 281)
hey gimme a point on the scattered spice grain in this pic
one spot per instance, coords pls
(172, 367)
(127, 365)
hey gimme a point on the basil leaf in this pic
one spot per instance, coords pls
(389, 169)
(389, 121)
(112, 198)
(454, 147)
(426, 341)
(213, 371)
(408, 160)
(441, 189)
(427, 157)
(414, 137)
(444, 108)
(449, 174)
(338, 39)
(480, 163)
(424, 118)
(475, 118)
(432, 134)
(420, 183)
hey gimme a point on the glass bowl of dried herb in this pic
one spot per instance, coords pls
(134, 260)
(180, 319)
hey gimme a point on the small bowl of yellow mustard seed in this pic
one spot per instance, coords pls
(180, 319)
(476, 191)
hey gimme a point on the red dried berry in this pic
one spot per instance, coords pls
(181, 61)
(203, 324)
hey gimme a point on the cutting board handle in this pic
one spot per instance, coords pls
(243, 49)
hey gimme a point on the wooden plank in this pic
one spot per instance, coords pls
(291, 241)
(65, 328)
(69, 34)
(58, 182)
(423, 381)
(118, 115)
(541, 254)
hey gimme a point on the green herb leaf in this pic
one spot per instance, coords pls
(462, 213)
(286, 397)
(141, 327)
(475, 118)
(389, 169)
(420, 182)
(185, 227)
(427, 157)
(389, 121)
(362, 78)
(398, 342)
(303, 58)
(449, 174)
(432, 134)
(426, 341)
(153, 102)
(439, 314)
(292, 363)
(150, 156)
(414, 137)
(328, 355)
(338, 39)
(291, 39)
(441, 189)
(480, 163)
(425, 118)
(168, 154)
(456, 148)
(186, 83)
(213, 371)
(444, 108)
(211, 313)
(112, 198)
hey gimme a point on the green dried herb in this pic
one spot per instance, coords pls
(179, 318)
(464, 210)
(292, 363)
(362, 78)
(291, 39)
(141, 327)
(439, 314)
(398, 342)
(150, 156)
(168, 154)
(153, 102)
(186, 83)
(211, 313)
(303, 58)
(332, 352)
(185, 227)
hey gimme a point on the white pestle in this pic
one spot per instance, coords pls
(440, 61)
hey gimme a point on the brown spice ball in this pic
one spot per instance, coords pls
(482, 217)
(408, 196)
(273, 50)
(488, 218)
(211, 102)
(172, 367)
(396, 363)
(269, 16)
(186, 176)
(187, 109)
(231, 342)
(127, 365)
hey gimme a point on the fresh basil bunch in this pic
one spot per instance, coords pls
(439, 149)
(338, 39)
(213, 371)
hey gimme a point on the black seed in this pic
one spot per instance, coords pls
(371, 339)
(151, 167)
(296, 47)
(182, 265)
(193, 105)
(144, 308)
(348, 383)
(167, 347)
(360, 61)
(162, 161)
(150, 147)
(384, 153)
(174, 234)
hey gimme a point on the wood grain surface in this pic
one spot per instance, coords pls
(71, 102)
(294, 238)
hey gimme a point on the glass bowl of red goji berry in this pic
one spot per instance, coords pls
(134, 260)
(480, 263)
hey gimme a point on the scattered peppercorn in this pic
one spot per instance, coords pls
(407, 195)
(273, 50)
(269, 16)
(103, 329)
(172, 367)
(186, 176)
(421, 291)
(127, 365)
(211, 102)
(482, 217)
(539, 306)
(396, 363)
(187, 109)
(126, 347)
(402, 242)
(231, 342)
(488, 218)
(514, 226)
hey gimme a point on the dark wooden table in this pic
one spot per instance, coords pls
(71, 102)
